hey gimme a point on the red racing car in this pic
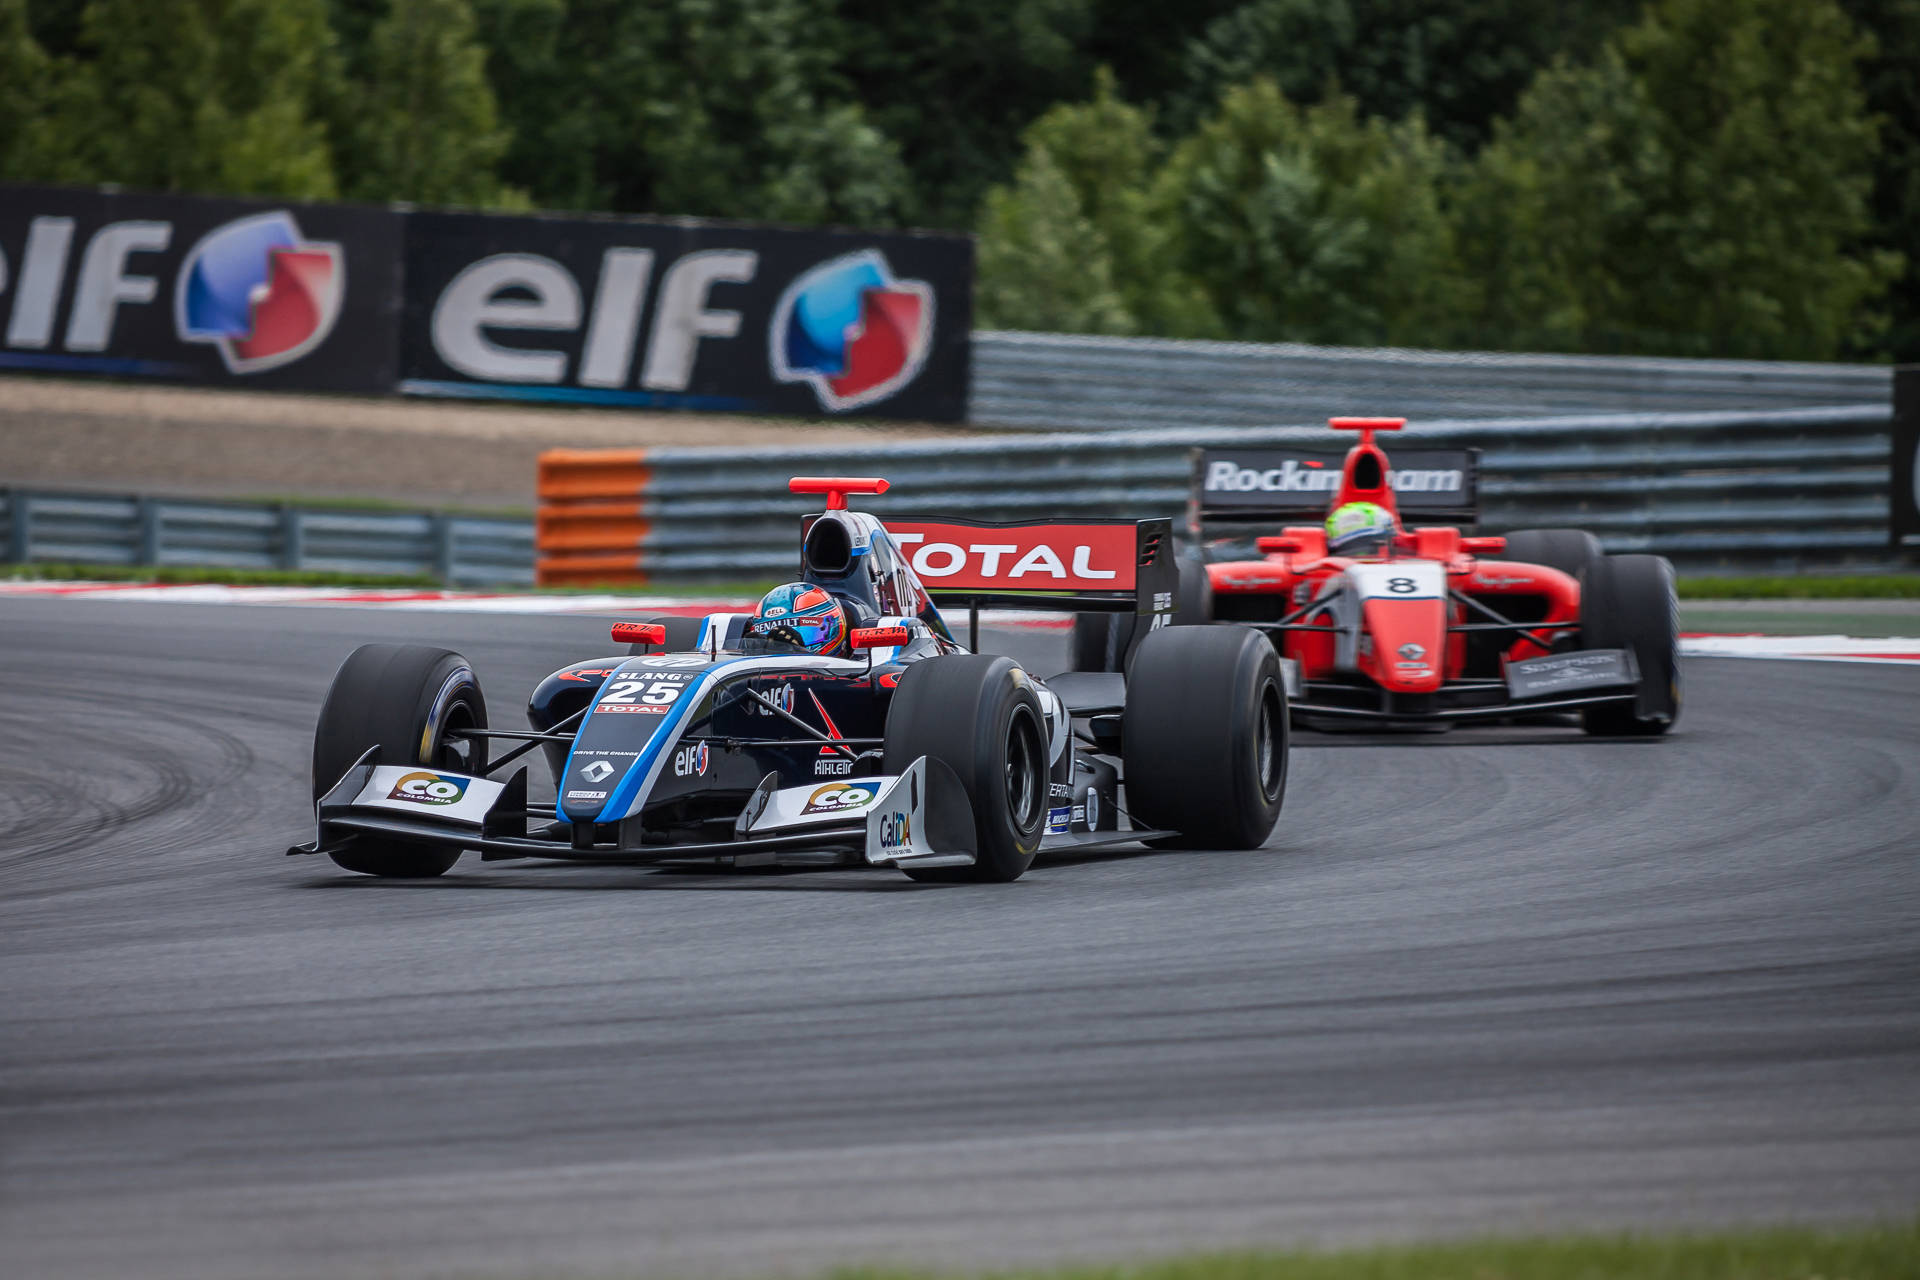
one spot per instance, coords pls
(1401, 627)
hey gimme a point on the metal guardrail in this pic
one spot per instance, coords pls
(83, 528)
(1750, 491)
(1746, 490)
(1053, 382)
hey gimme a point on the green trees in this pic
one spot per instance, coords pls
(1737, 177)
(1313, 225)
(168, 94)
(420, 120)
(1701, 188)
(24, 75)
(728, 108)
(1701, 185)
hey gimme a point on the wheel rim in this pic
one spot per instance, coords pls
(456, 754)
(1024, 774)
(1270, 757)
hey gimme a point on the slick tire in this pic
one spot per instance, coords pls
(683, 635)
(1629, 602)
(1106, 641)
(978, 714)
(1571, 551)
(402, 698)
(1204, 737)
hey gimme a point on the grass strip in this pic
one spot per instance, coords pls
(1887, 1252)
(183, 575)
(1866, 586)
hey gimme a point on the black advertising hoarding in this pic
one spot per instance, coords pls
(1906, 456)
(688, 315)
(1265, 482)
(253, 293)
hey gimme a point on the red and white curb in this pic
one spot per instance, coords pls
(1803, 648)
(439, 601)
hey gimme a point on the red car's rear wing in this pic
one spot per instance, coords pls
(1123, 566)
(1271, 485)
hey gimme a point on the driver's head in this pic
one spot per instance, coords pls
(802, 614)
(1359, 529)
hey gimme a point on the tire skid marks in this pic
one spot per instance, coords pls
(119, 759)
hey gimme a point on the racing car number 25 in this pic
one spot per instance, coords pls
(643, 696)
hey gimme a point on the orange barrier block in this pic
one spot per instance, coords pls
(589, 529)
(592, 473)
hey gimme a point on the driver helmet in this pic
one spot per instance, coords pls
(799, 613)
(1359, 529)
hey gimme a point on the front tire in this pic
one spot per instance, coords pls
(403, 699)
(1629, 602)
(1204, 737)
(978, 714)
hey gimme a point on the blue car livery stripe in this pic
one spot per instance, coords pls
(626, 793)
(665, 730)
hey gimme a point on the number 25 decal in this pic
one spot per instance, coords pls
(658, 693)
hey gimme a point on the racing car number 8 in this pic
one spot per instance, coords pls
(1401, 586)
(657, 693)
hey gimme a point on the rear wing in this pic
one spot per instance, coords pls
(1120, 566)
(1274, 484)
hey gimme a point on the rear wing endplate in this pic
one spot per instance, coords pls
(1268, 485)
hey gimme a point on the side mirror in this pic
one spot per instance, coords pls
(878, 637)
(1273, 543)
(1483, 546)
(639, 633)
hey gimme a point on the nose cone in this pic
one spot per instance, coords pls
(1409, 643)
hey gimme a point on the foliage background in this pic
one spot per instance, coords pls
(1698, 177)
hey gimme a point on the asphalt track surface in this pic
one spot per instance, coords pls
(1504, 979)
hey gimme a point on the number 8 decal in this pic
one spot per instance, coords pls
(1401, 586)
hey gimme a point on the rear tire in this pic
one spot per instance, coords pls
(401, 698)
(683, 636)
(1205, 738)
(978, 714)
(1629, 602)
(1106, 641)
(1571, 551)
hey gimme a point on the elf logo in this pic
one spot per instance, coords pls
(254, 288)
(851, 330)
(259, 292)
(691, 761)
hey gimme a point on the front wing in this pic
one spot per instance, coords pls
(1551, 683)
(918, 818)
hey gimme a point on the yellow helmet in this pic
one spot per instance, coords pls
(1359, 529)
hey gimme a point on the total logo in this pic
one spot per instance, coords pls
(691, 761)
(851, 330)
(256, 289)
(422, 787)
